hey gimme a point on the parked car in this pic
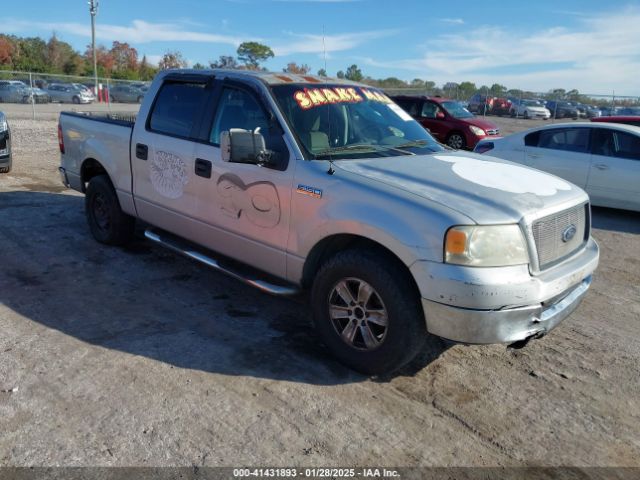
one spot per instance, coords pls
(628, 119)
(634, 111)
(529, 109)
(126, 94)
(67, 93)
(561, 109)
(12, 91)
(87, 91)
(448, 121)
(326, 185)
(480, 104)
(602, 158)
(5, 144)
(39, 95)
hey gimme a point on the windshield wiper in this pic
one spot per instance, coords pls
(353, 148)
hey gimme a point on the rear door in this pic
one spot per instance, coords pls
(562, 151)
(165, 187)
(614, 178)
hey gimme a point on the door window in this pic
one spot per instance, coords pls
(176, 108)
(611, 143)
(429, 110)
(238, 108)
(567, 139)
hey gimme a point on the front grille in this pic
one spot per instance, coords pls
(550, 235)
(493, 131)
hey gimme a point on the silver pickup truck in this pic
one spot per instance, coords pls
(294, 183)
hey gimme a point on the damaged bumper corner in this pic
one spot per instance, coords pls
(502, 305)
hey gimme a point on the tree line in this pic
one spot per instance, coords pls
(122, 61)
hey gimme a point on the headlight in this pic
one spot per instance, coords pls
(3, 125)
(477, 131)
(485, 246)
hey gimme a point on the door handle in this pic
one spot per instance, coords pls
(601, 166)
(203, 168)
(142, 151)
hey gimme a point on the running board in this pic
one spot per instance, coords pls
(183, 247)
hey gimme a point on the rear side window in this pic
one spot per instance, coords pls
(567, 139)
(408, 105)
(176, 108)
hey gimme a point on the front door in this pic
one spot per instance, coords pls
(248, 204)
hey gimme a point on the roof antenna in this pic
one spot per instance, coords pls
(331, 170)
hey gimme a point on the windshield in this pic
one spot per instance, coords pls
(456, 110)
(339, 122)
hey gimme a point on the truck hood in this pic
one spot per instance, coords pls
(486, 189)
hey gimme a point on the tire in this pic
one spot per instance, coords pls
(107, 222)
(372, 347)
(526, 115)
(5, 169)
(456, 140)
(139, 99)
(75, 100)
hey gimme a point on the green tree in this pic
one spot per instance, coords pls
(198, 66)
(252, 53)
(30, 55)
(340, 74)
(172, 59)
(466, 89)
(225, 61)
(354, 73)
(296, 69)
(498, 90)
(146, 71)
(322, 72)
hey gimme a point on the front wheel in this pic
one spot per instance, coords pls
(456, 140)
(108, 223)
(367, 311)
(76, 100)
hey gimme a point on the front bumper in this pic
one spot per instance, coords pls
(502, 305)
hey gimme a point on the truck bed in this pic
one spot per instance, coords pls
(126, 119)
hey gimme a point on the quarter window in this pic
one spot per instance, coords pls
(176, 108)
(610, 143)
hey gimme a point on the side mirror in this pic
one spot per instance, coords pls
(440, 115)
(244, 146)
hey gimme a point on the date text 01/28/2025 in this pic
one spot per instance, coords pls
(315, 473)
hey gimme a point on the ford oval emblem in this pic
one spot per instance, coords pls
(569, 233)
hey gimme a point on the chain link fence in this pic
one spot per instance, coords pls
(41, 95)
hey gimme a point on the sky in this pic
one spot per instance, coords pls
(537, 45)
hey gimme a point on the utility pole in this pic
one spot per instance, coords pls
(93, 11)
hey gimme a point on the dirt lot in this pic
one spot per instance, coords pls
(140, 357)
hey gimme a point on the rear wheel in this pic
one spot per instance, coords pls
(367, 311)
(5, 169)
(456, 140)
(76, 99)
(108, 223)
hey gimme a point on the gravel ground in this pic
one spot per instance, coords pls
(140, 357)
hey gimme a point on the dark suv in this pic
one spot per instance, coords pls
(561, 109)
(448, 121)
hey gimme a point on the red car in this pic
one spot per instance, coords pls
(629, 120)
(448, 121)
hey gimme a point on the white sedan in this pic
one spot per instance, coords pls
(530, 109)
(602, 158)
